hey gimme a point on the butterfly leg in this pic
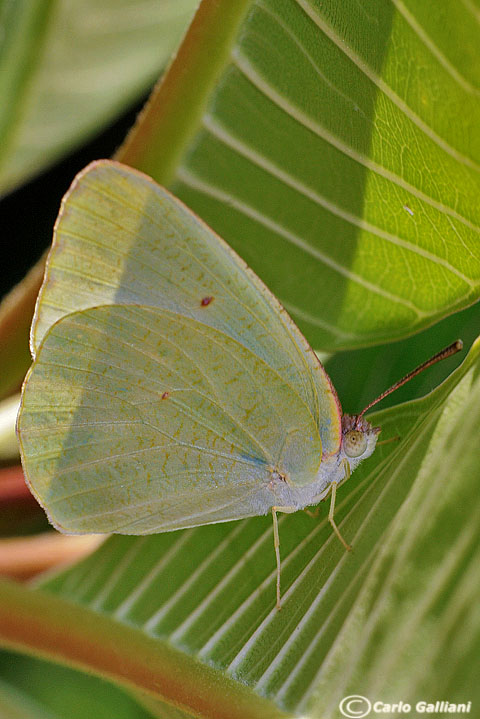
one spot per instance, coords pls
(313, 513)
(276, 544)
(333, 494)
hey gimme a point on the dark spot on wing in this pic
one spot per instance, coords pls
(206, 301)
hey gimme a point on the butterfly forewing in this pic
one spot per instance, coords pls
(121, 239)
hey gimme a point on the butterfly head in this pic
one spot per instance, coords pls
(358, 437)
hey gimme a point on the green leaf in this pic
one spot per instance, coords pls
(367, 623)
(17, 705)
(326, 144)
(69, 67)
(39, 623)
(67, 694)
(360, 375)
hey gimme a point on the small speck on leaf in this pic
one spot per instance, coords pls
(165, 395)
(206, 301)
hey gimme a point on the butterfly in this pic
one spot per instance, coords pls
(169, 387)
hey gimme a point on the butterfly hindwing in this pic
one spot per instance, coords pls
(138, 419)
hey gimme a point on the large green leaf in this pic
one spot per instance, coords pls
(69, 67)
(337, 149)
(362, 623)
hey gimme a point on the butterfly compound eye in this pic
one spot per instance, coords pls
(354, 443)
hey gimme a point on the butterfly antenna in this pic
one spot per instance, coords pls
(443, 354)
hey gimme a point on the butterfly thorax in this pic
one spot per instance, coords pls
(358, 440)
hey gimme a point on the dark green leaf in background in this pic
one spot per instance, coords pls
(68, 68)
